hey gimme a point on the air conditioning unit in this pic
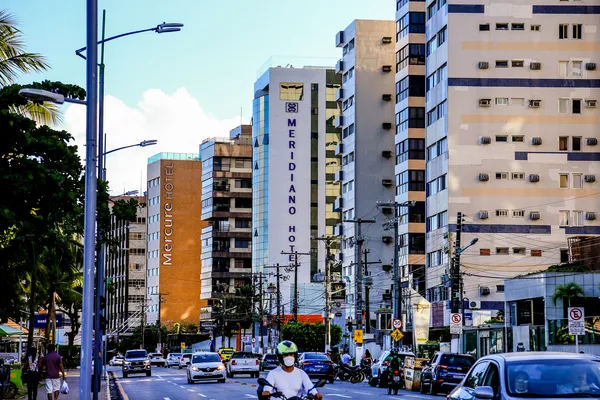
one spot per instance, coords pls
(339, 39)
(592, 141)
(339, 121)
(386, 97)
(386, 40)
(339, 149)
(338, 204)
(338, 230)
(590, 66)
(589, 178)
(483, 65)
(386, 68)
(386, 154)
(536, 141)
(474, 305)
(386, 125)
(535, 65)
(484, 291)
(590, 216)
(591, 103)
(387, 182)
(339, 176)
(485, 102)
(535, 103)
(485, 140)
(339, 94)
(483, 215)
(339, 67)
(534, 178)
(534, 215)
(386, 239)
(484, 177)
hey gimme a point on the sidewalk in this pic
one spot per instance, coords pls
(73, 381)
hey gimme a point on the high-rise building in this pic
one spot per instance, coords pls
(366, 174)
(174, 247)
(227, 208)
(126, 271)
(511, 141)
(295, 131)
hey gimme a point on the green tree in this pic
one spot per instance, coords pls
(566, 292)
(310, 337)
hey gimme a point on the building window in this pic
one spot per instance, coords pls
(243, 223)
(535, 28)
(412, 85)
(502, 175)
(484, 27)
(501, 138)
(412, 22)
(501, 250)
(519, 250)
(291, 91)
(577, 69)
(410, 117)
(576, 106)
(501, 63)
(411, 54)
(502, 27)
(577, 181)
(577, 31)
(410, 149)
(518, 213)
(242, 244)
(536, 253)
(518, 139)
(563, 69)
(517, 63)
(563, 31)
(577, 218)
(517, 27)
(500, 288)
(563, 181)
(484, 252)
(518, 176)
(563, 218)
(563, 143)
(501, 213)
(517, 101)
(411, 180)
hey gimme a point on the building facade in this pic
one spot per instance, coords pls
(511, 142)
(174, 246)
(126, 271)
(366, 174)
(227, 208)
(294, 136)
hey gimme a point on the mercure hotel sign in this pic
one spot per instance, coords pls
(167, 253)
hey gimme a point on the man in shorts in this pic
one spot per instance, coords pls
(52, 366)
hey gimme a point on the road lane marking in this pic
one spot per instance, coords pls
(203, 395)
(191, 390)
(369, 394)
(340, 395)
(251, 397)
(166, 398)
(338, 390)
(183, 387)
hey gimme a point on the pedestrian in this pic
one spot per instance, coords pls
(346, 358)
(52, 367)
(31, 373)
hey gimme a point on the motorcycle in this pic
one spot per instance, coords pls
(354, 374)
(8, 389)
(394, 380)
(262, 382)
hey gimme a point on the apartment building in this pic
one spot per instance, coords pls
(511, 142)
(227, 208)
(126, 271)
(174, 247)
(366, 174)
(295, 198)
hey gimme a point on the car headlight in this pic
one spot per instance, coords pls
(195, 369)
(127, 363)
(146, 362)
(220, 367)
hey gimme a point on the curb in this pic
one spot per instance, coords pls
(115, 390)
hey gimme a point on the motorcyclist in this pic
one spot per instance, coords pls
(286, 378)
(395, 363)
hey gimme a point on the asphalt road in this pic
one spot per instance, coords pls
(171, 384)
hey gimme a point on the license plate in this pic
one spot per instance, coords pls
(396, 378)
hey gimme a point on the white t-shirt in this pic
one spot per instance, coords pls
(295, 383)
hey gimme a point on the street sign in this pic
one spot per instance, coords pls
(397, 324)
(397, 335)
(358, 336)
(455, 324)
(253, 340)
(576, 321)
(182, 344)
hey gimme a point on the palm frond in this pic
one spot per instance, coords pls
(44, 113)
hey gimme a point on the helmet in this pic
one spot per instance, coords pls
(286, 347)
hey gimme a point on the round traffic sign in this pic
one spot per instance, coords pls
(456, 318)
(397, 324)
(575, 314)
(253, 340)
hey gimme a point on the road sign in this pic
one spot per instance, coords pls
(455, 324)
(182, 344)
(576, 321)
(397, 324)
(253, 340)
(358, 336)
(397, 335)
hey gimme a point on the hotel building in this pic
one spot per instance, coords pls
(174, 247)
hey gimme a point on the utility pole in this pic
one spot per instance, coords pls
(359, 269)
(366, 263)
(328, 258)
(160, 301)
(259, 276)
(279, 277)
(295, 267)
(455, 288)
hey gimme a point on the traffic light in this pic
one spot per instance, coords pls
(101, 310)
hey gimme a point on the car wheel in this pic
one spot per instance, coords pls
(382, 382)
(221, 380)
(125, 375)
(422, 389)
(331, 380)
(149, 373)
(433, 390)
(180, 367)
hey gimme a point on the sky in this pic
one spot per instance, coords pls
(180, 88)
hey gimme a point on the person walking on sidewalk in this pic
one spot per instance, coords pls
(52, 365)
(31, 372)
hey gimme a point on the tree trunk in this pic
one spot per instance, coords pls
(53, 305)
(32, 301)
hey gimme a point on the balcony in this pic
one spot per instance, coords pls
(339, 94)
(338, 204)
(339, 39)
(339, 176)
(221, 187)
(339, 149)
(339, 121)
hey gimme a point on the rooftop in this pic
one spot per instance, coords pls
(174, 156)
(296, 62)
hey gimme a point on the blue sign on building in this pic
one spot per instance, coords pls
(40, 321)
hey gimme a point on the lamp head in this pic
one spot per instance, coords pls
(475, 240)
(167, 27)
(148, 143)
(42, 95)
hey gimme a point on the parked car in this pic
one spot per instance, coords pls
(530, 375)
(269, 361)
(173, 359)
(157, 359)
(206, 366)
(185, 360)
(445, 371)
(379, 368)
(225, 353)
(136, 362)
(243, 363)
(317, 366)
(116, 360)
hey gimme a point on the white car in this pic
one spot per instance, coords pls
(204, 367)
(173, 359)
(116, 360)
(380, 365)
(157, 359)
(243, 363)
(185, 360)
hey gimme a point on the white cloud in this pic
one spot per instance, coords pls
(177, 121)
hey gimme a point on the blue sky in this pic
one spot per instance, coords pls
(181, 88)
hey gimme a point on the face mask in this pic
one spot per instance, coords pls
(288, 361)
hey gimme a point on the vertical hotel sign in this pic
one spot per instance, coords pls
(291, 108)
(167, 250)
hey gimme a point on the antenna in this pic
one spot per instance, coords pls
(241, 114)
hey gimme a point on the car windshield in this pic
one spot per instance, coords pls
(316, 356)
(174, 355)
(227, 351)
(136, 354)
(457, 361)
(553, 378)
(187, 356)
(270, 357)
(243, 355)
(118, 357)
(202, 358)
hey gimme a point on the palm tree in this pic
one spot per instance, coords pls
(14, 61)
(566, 292)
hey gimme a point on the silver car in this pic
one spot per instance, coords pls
(205, 367)
(531, 375)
